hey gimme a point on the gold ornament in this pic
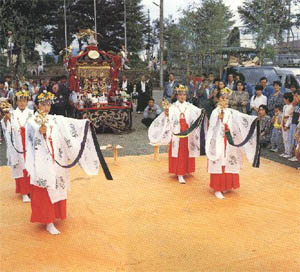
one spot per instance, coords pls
(5, 107)
(165, 104)
(41, 118)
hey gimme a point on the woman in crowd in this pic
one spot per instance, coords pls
(276, 98)
(257, 100)
(239, 98)
(223, 89)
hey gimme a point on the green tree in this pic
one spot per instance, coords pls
(27, 20)
(267, 20)
(200, 34)
(137, 25)
(110, 23)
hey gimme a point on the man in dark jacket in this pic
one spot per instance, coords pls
(143, 91)
(126, 85)
(62, 93)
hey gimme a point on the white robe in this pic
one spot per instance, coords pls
(67, 135)
(239, 126)
(163, 128)
(14, 142)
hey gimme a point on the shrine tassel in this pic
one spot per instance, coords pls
(100, 155)
(255, 124)
(82, 145)
(98, 150)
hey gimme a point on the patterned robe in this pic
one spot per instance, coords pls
(231, 156)
(163, 128)
(15, 155)
(66, 135)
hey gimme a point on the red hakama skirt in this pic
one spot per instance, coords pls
(42, 210)
(23, 183)
(181, 165)
(225, 181)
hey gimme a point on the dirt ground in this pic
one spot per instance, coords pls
(144, 220)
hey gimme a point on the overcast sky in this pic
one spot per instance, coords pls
(171, 7)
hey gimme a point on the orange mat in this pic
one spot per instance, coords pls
(145, 220)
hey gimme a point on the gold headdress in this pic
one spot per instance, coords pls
(22, 94)
(46, 96)
(226, 90)
(181, 89)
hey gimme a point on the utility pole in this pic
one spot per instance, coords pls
(95, 18)
(289, 29)
(125, 25)
(161, 44)
(65, 19)
(148, 37)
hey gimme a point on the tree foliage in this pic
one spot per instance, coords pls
(110, 23)
(27, 21)
(201, 32)
(33, 21)
(267, 20)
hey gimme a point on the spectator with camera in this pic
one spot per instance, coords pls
(150, 112)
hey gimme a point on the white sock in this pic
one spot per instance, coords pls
(219, 195)
(26, 198)
(181, 179)
(52, 229)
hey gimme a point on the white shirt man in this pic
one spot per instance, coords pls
(143, 84)
(256, 101)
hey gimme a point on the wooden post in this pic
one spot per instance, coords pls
(156, 152)
(115, 151)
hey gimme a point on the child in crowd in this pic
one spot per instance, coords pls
(276, 138)
(294, 124)
(297, 138)
(286, 121)
(265, 125)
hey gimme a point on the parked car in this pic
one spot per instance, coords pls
(288, 78)
(287, 59)
(252, 75)
(295, 71)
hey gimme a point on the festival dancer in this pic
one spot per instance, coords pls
(13, 125)
(177, 127)
(230, 133)
(52, 141)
